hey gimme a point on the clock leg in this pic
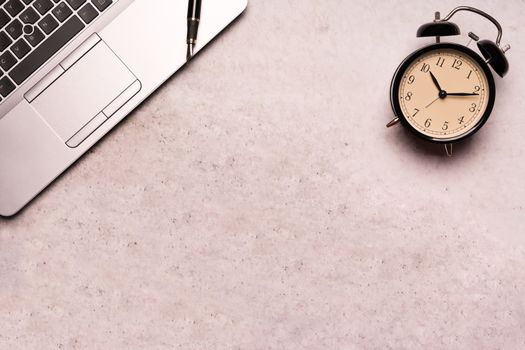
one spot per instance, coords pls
(393, 122)
(448, 149)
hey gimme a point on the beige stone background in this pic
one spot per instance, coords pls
(258, 202)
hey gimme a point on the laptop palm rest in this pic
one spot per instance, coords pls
(86, 93)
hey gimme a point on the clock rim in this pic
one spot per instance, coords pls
(398, 75)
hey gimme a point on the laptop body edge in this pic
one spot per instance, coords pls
(36, 146)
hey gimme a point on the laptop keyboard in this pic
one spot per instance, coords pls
(32, 31)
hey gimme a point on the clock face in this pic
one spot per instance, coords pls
(443, 93)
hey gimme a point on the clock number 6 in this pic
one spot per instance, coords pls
(428, 122)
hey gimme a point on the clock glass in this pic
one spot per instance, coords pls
(444, 93)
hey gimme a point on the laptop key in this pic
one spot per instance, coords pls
(48, 24)
(75, 4)
(101, 4)
(14, 7)
(4, 18)
(14, 29)
(46, 50)
(7, 60)
(36, 37)
(6, 86)
(88, 13)
(5, 41)
(43, 6)
(20, 48)
(29, 16)
(62, 11)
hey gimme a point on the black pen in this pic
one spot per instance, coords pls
(194, 16)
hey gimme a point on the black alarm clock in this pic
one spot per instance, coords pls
(445, 92)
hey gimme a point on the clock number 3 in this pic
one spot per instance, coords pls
(472, 108)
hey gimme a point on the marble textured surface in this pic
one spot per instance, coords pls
(258, 202)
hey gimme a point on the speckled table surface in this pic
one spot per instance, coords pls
(258, 202)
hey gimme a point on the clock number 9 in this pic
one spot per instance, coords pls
(408, 97)
(428, 122)
(411, 79)
(472, 108)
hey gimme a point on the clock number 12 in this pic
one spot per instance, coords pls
(457, 64)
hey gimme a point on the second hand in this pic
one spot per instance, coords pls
(437, 98)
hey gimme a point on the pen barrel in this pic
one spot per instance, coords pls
(194, 9)
(194, 15)
(193, 28)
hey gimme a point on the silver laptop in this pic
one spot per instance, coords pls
(70, 70)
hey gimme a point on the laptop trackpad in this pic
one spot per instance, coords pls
(83, 91)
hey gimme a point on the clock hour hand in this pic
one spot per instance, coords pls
(435, 81)
(462, 94)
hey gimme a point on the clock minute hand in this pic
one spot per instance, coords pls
(435, 81)
(462, 94)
